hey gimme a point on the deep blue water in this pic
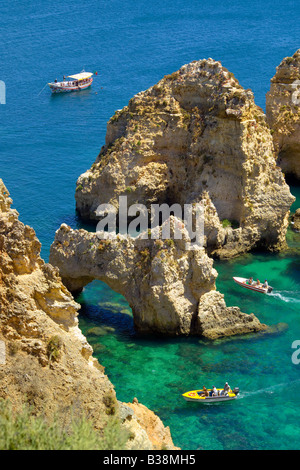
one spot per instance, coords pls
(47, 141)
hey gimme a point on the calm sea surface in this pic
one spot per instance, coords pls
(47, 141)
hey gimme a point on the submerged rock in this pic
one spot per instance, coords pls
(164, 283)
(196, 135)
(283, 113)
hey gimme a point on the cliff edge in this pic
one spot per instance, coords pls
(283, 114)
(45, 360)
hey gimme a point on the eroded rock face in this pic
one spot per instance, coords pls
(196, 135)
(215, 320)
(283, 113)
(36, 307)
(161, 279)
(296, 221)
(45, 360)
(27, 283)
(153, 427)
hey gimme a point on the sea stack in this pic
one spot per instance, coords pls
(195, 136)
(296, 220)
(283, 114)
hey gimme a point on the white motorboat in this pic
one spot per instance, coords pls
(241, 281)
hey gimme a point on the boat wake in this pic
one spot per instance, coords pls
(268, 390)
(285, 297)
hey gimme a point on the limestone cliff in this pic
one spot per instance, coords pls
(283, 113)
(44, 358)
(196, 135)
(152, 427)
(170, 289)
(296, 221)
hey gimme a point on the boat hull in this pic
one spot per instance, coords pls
(194, 395)
(241, 281)
(62, 87)
(210, 399)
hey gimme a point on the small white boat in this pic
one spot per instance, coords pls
(198, 396)
(241, 281)
(79, 81)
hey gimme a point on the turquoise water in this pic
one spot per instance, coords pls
(157, 370)
(295, 192)
(47, 142)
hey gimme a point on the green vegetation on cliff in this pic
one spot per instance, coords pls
(24, 431)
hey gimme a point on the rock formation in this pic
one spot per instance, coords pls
(196, 135)
(283, 113)
(296, 221)
(170, 289)
(215, 320)
(44, 358)
(152, 427)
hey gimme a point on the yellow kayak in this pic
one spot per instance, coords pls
(197, 395)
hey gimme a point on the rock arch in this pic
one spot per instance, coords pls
(170, 290)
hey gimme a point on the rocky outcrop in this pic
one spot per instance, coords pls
(215, 320)
(296, 221)
(196, 135)
(28, 286)
(44, 358)
(153, 428)
(164, 283)
(283, 113)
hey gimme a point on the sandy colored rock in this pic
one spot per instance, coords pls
(296, 220)
(158, 434)
(196, 135)
(283, 113)
(161, 280)
(45, 360)
(215, 320)
(35, 308)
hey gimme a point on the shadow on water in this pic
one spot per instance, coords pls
(74, 95)
(293, 270)
(98, 320)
